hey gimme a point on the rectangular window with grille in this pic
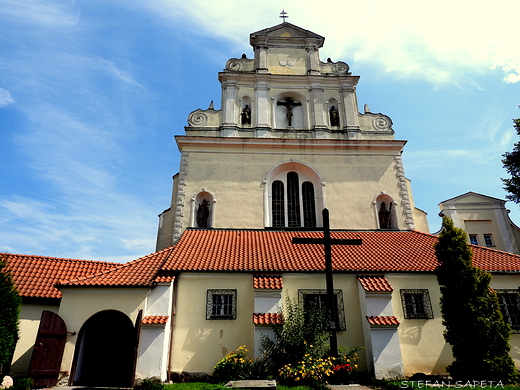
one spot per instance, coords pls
(221, 305)
(416, 304)
(318, 299)
(510, 306)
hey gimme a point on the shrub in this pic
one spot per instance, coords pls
(150, 384)
(310, 371)
(301, 333)
(238, 366)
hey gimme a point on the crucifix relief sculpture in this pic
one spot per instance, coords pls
(289, 104)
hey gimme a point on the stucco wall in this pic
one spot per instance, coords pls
(30, 315)
(79, 304)
(198, 344)
(350, 183)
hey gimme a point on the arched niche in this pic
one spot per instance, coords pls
(385, 212)
(203, 209)
(246, 112)
(288, 103)
(293, 196)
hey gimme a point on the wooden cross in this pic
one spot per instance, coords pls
(283, 15)
(289, 104)
(327, 242)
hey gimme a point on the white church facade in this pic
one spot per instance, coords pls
(287, 142)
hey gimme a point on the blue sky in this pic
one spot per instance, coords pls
(92, 93)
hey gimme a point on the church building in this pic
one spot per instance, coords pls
(288, 142)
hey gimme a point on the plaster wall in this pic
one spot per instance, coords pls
(79, 304)
(386, 353)
(154, 343)
(350, 181)
(30, 315)
(422, 342)
(198, 343)
(153, 351)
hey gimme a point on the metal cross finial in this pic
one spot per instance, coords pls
(283, 15)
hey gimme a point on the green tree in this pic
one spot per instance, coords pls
(10, 302)
(511, 161)
(475, 327)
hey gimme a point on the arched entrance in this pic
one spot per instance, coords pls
(105, 351)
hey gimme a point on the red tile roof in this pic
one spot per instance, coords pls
(383, 321)
(137, 273)
(267, 282)
(267, 318)
(272, 251)
(35, 276)
(164, 278)
(375, 283)
(155, 320)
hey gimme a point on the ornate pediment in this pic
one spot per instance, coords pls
(289, 33)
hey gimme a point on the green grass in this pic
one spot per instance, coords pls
(213, 386)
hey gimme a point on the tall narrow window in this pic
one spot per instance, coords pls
(309, 209)
(293, 200)
(278, 208)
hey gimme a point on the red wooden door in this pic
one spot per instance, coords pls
(48, 350)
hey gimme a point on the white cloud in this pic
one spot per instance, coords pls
(447, 41)
(5, 98)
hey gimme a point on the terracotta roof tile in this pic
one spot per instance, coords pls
(383, 321)
(268, 282)
(137, 273)
(267, 318)
(36, 276)
(164, 278)
(155, 320)
(375, 283)
(272, 251)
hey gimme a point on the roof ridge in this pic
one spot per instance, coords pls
(121, 266)
(56, 258)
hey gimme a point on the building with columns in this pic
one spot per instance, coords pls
(288, 142)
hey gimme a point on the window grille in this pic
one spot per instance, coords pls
(309, 209)
(278, 207)
(318, 298)
(221, 304)
(416, 304)
(510, 306)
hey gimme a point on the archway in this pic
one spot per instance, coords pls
(105, 351)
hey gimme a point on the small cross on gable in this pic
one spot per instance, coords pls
(283, 15)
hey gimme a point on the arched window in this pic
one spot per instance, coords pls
(278, 208)
(292, 196)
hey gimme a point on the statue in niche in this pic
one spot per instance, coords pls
(334, 116)
(384, 216)
(246, 115)
(289, 104)
(203, 214)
